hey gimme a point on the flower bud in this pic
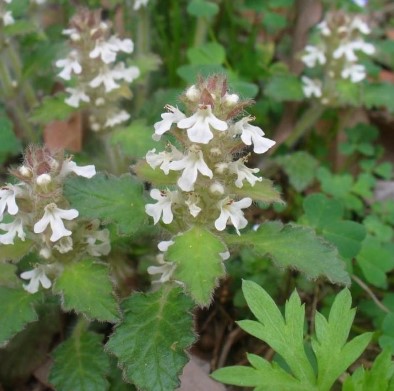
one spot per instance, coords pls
(193, 93)
(45, 253)
(216, 188)
(43, 179)
(230, 99)
(25, 171)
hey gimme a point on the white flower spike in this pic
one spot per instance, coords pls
(8, 196)
(238, 168)
(54, 216)
(77, 95)
(313, 56)
(172, 117)
(162, 209)
(163, 159)
(12, 230)
(37, 277)
(311, 87)
(70, 65)
(200, 123)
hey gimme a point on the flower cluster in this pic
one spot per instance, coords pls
(337, 53)
(209, 172)
(34, 209)
(6, 16)
(98, 80)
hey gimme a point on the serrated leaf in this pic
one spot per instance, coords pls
(333, 354)
(295, 247)
(300, 167)
(110, 199)
(199, 265)
(262, 191)
(326, 215)
(379, 95)
(16, 311)
(150, 341)
(52, 108)
(202, 8)
(80, 363)
(85, 288)
(284, 88)
(156, 176)
(135, 139)
(209, 53)
(9, 145)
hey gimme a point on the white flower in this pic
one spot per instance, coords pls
(199, 124)
(354, 72)
(311, 87)
(324, 29)
(251, 134)
(120, 72)
(172, 117)
(164, 245)
(163, 206)
(163, 159)
(104, 77)
(225, 255)
(64, 245)
(230, 99)
(360, 25)
(98, 243)
(7, 200)
(54, 217)
(36, 276)
(117, 119)
(12, 230)
(229, 209)
(105, 50)
(139, 3)
(313, 56)
(193, 93)
(345, 50)
(122, 45)
(191, 203)
(7, 18)
(363, 46)
(69, 65)
(72, 33)
(69, 166)
(166, 270)
(238, 168)
(191, 165)
(77, 95)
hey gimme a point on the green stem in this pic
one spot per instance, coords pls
(201, 31)
(112, 154)
(81, 326)
(305, 123)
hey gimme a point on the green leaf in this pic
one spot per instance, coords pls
(375, 261)
(15, 251)
(284, 335)
(188, 72)
(300, 167)
(150, 341)
(17, 310)
(52, 108)
(199, 265)
(156, 176)
(80, 363)
(134, 140)
(85, 288)
(295, 247)
(333, 354)
(378, 95)
(209, 53)
(326, 215)
(8, 276)
(20, 27)
(284, 88)
(386, 340)
(262, 191)
(110, 199)
(9, 145)
(274, 21)
(202, 8)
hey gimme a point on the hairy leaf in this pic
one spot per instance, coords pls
(109, 198)
(150, 341)
(262, 191)
(85, 288)
(296, 247)
(80, 363)
(14, 252)
(16, 311)
(199, 265)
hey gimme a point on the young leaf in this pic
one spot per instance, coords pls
(8, 276)
(333, 354)
(16, 311)
(85, 288)
(9, 145)
(202, 8)
(296, 247)
(52, 108)
(150, 341)
(209, 53)
(14, 252)
(80, 363)
(199, 265)
(110, 199)
(284, 88)
(155, 176)
(262, 191)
